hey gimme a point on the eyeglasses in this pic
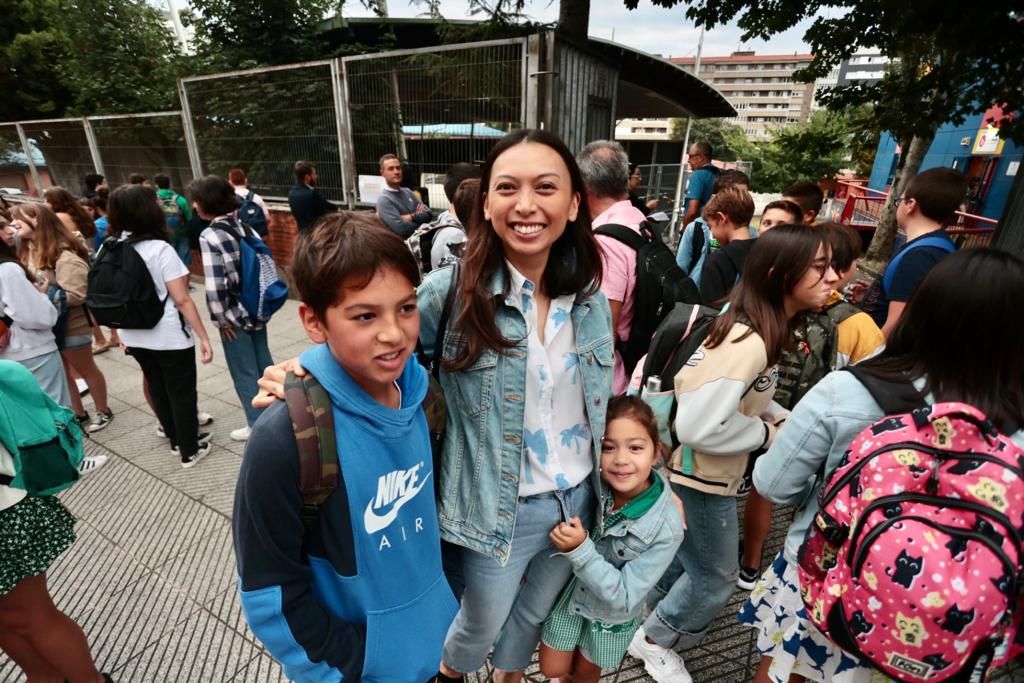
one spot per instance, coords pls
(822, 268)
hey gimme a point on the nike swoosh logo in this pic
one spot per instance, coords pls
(375, 522)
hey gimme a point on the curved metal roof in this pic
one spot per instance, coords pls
(649, 86)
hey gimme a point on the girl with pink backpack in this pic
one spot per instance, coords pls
(906, 544)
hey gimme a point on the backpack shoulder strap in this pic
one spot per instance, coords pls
(840, 310)
(631, 238)
(699, 242)
(309, 408)
(250, 195)
(936, 241)
(893, 398)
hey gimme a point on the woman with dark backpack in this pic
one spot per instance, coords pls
(244, 336)
(166, 351)
(957, 341)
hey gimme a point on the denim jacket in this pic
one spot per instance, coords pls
(615, 574)
(483, 448)
(820, 428)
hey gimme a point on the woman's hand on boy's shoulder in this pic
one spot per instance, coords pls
(272, 382)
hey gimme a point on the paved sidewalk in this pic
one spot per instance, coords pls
(151, 578)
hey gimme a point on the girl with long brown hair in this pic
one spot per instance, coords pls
(725, 414)
(526, 370)
(51, 251)
(71, 213)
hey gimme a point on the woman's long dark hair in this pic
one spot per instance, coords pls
(962, 331)
(62, 201)
(135, 209)
(777, 262)
(574, 264)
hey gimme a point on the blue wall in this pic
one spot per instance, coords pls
(944, 150)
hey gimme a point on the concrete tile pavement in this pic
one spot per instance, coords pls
(151, 578)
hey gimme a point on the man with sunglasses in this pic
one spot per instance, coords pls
(702, 179)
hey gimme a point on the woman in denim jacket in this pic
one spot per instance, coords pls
(526, 370)
(615, 568)
(937, 345)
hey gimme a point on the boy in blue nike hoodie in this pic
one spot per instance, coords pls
(366, 600)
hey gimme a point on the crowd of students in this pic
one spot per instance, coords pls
(454, 470)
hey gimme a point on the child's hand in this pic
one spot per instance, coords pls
(568, 537)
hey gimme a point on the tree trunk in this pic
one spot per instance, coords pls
(880, 249)
(1010, 231)
(574, 19)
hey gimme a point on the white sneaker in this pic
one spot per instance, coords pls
(202, 418)
(204, 450)
(241, 434)
(91, 463)
(663, 665)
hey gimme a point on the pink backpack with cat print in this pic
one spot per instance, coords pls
(914, 562)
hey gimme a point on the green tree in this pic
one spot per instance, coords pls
(65, 57)
(119, 56)
(804, 151)
(29, 49)
(952, 60)
(240, 34)
(728, 140)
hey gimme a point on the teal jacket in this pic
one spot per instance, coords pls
(483, 447)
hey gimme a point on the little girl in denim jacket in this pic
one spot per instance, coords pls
(621, 560)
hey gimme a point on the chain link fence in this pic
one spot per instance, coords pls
(263, 121)
(432, 107)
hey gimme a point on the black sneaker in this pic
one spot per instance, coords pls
(83, 420)
(748, 578)
(203, 439)
(101, 421)
(204, 450)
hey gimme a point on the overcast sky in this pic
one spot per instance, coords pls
(651, 29)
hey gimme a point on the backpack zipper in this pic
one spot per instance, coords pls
(833, 489)
(977, 508)
(860, 550)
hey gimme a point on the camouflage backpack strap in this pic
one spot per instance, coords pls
(309, 408)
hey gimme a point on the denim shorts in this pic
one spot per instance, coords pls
(76, 342)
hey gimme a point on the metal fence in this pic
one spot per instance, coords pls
(263, 120)
(141, 143)
(432, 107)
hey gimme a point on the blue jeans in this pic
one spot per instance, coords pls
(183, 248)
(702, 576)
(247, 355)
(506, 606)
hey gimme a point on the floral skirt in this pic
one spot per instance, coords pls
(33, 533)
(776, 611)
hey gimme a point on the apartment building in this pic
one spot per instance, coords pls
(760, 87)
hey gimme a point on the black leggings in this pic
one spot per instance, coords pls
(172, 386)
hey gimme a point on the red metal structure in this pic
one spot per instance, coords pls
(863, 206)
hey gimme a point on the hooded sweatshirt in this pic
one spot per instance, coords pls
(370, 585)
(32, 314)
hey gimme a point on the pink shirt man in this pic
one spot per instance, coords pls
(619, 280)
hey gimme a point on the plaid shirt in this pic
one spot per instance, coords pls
(222, 269)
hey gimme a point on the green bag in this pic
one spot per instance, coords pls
(43, 438)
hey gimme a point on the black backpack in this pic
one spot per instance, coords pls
(121, 290)
(680, 334)
(660, 285)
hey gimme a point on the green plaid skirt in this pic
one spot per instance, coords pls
(603, 644)
(33, 533)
